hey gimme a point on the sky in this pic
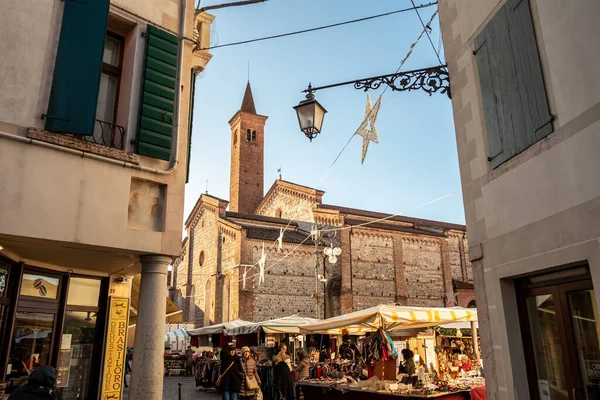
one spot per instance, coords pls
(415, 161)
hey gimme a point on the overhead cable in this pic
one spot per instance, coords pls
(322, 27)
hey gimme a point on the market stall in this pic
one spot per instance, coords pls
(175, 361)
(214, 335)
(373, 372)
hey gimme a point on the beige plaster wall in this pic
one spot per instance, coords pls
(540, 209)
(54, 196)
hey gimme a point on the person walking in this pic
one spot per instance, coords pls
(189, 361)
(231, 372)
(40, 385)
(284, 384)
(251, 382)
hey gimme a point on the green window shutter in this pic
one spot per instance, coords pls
(530, 77)
(76, 80)
(190, 123)
(155, 127)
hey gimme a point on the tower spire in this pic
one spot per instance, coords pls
(248, 101)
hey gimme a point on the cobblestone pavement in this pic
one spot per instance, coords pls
(189, 391)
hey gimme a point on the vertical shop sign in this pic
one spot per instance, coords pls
(114, 352)
(64, 368)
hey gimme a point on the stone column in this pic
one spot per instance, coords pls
(450, 300)
(399, 271)
(148, 366)
(346, 301)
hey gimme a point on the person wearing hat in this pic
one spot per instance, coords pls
(40, 385)
(232, 372)
(251, 382)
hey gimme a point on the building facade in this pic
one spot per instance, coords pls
(384, 259)
(526, 112)
(95, 101)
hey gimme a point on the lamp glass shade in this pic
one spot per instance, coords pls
(310, 117)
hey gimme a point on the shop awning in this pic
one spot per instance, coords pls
(173, 314)
(289, 324)
(176, 335)
(391, 318)
(218, 328)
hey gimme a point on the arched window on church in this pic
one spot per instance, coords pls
(251, 135)
(472, 304)
(278, 213)
(226, 298)
(235, 138)
(208, 296)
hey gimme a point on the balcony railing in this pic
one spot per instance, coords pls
(106, 134)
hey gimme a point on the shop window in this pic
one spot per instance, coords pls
(31, 345)
(83, 292)
(75, 357)
(40, 286)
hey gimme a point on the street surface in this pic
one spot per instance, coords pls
(189, 391)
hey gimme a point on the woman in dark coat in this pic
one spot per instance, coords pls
(231, 383)
(284, 382)
(407, 366)
(39, 386)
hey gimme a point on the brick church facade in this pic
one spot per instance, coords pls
(384, 259)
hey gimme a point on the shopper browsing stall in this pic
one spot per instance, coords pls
(251, 382)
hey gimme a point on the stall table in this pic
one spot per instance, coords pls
(318, 391)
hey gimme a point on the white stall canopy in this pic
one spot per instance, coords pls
(289, 324)
(217, 329)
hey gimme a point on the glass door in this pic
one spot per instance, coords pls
(560, 327)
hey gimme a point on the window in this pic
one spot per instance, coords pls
(235, 139)
(106, 110)
(87, 72)
(40, 286)
(251, 135)
(201, 258)
(278, 213)
(512, 85)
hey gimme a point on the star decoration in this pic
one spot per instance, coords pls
(280, 240)
(261, 266)
(367, 128)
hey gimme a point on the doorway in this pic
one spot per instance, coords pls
(560, 327)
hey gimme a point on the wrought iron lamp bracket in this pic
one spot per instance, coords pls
(430, 80)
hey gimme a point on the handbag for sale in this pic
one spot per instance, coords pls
(251, 383)
(220, 378)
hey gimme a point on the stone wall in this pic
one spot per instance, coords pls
(289, 283)
(373, 272)
(292, 206)
(423, 271)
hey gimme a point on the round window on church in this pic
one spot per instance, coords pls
(201, 259)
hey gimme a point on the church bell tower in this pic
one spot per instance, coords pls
(246, 187)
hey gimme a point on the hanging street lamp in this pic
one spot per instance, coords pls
(310, 114)
(430, 80)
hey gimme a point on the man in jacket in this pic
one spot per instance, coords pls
(232, 372)
(40, 385)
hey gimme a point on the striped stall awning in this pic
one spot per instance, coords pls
(391, 318)
(177, 335)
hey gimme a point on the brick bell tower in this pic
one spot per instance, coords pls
(246, 187)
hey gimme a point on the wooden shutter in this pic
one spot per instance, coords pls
(76, 80)
(158, 94)
(530, 76)
(512, 86)
(190, 123)
(497, 79)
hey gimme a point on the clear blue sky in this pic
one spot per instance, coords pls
(416, 159)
